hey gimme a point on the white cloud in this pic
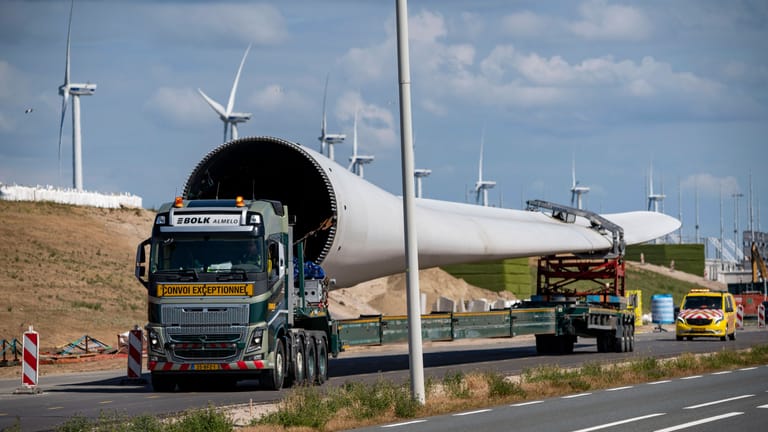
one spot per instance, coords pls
(277, 98)
(376, 127)
(181, 106)
(711, 186)
(426, 27)
(526, 23)
(601, 20)
(261, 24)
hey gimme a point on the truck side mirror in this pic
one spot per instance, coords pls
(141, 259)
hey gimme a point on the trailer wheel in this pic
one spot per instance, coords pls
(276, 376)
(311, 357)
(322, 361)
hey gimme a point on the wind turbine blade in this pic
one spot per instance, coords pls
(354, 136)
(352, 164)
(231, 102)
(573, 172)
(64, 103)
(215, 105)
(69, 31)
(480, 168)
(234, 131)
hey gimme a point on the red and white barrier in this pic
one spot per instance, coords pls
(761, 316)
(135, 344)
(30, 362)
(740, 317)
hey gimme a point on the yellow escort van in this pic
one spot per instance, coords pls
(705, 313)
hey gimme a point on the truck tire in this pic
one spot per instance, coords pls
(162, 383)
(274, 378)
(298, 375)
(322, 361)
(311, 362)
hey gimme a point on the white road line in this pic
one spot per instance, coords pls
(659, 382)
(471, 412)
(698, 422)
(748, 368)
(691, 377)
(718, 401)
(762, 406)
(576, 395)
(526, 403)
(620, 422)
(722, 372)
(404, 423)
(620, 388)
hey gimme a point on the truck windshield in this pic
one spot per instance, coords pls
(208, 254)
(702, 302)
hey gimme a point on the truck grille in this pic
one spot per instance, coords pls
(196, 332)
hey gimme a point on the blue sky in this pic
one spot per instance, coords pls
(681, 86)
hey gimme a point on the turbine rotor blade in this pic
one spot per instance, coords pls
(231, 102)
(64, 103)
(234, 131)
(69, 31)
(215, 105)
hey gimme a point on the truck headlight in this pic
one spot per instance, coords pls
(154, 341)
(256, 338)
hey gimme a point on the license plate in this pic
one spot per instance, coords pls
(207, 366)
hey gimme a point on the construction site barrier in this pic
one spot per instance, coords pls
(11, 347)
(31, 362)
(135, 349)
(761, 316)
(740, 317)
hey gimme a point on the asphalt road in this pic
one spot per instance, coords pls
(90, 394)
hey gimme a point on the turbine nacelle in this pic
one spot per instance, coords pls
(80, 89)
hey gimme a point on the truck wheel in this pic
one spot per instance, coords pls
(322, 362)
(276, 376)
(162, 383)
(311, 357)
(298, 365)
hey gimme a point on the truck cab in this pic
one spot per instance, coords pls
(220, 286)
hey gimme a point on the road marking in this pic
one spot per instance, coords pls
(620, 422)
(659, 382)
(762, 406)
(55, 408)
(404, 423)
(526, 403)
(722, 373)
(748, 368)
(691, 377)
(576, 395)
(698, 422)
(620, 388)
(105, 402)
(718, 401)
(471, 412)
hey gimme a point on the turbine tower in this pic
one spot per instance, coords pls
(482, 186)
(75, 90)
(420, 173)
(357, 161)
(326, 139)
(229, 117)
(653, 199)
(576, 190)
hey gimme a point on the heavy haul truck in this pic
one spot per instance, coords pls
(237, 269)
(230, 297)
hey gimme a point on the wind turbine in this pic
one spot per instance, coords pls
(325, 138)
(653, 199)
(482, 186)
(420, 173)
(75, 90)
(357, 161)
(230, 118)
(576, 190)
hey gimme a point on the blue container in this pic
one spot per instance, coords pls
(662, 309)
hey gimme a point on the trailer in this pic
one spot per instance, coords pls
(576, 296)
